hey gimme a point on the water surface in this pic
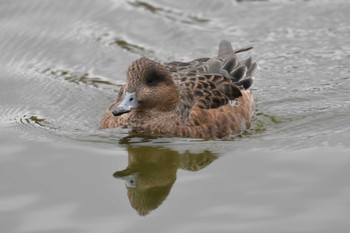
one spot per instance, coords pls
(62, 63)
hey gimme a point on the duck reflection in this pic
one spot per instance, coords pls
(151, 173)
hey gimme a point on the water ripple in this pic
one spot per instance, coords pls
(169, 13)
(108, 37)
(51, 64)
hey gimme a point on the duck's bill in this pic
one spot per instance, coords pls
(128, 103)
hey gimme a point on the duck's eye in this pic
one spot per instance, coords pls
(153, 76)
(150, 81)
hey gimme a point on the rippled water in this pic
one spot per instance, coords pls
(62, 63)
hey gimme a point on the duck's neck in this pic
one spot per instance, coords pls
(156, 122)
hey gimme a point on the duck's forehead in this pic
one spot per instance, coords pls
(134, 71)
(135, 74)
(132, 82)
(136, 67)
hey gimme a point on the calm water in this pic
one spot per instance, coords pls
(61, 64)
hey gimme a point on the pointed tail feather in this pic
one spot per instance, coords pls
(225, 49)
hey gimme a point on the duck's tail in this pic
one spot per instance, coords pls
(240, 72)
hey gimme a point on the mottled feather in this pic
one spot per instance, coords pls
(205, 97)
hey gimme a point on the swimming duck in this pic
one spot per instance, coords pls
(203, 98)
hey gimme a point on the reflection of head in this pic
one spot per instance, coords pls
(143, 201)
(151, 173)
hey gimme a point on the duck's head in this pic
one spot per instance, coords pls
(150, 86)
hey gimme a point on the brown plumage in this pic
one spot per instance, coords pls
(204, 98)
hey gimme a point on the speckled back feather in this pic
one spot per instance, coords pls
(215, 81)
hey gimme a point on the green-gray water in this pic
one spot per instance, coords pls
(61, 64)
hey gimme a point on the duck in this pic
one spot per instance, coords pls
(207, 98)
